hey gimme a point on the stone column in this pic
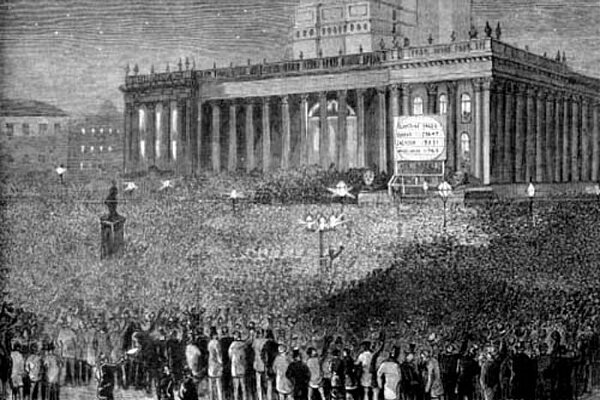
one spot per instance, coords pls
(249, 131)
(406, 100)
(189, 137)
(549, 141)
(360, 129)
(394, 111)
(520, 134)
(135, 137)
(566, 166)
(530, 135)
(575, 117)
(215, 137)
(127, 135)
(266, 134)
(558, 144)
(432, 94)
(323, 131)
(181, 143)
(199, 144)
(342, 130)
(158, 134)
(539, 137)
(232, 157)
(381, 130)
(453, 152)
(509, 136)
(485, 86)
(305, 142)
(499, 165)
(286, 133)
(585, 142)
(595, 143)
(476, 161)
(151, 134)
(174, 118)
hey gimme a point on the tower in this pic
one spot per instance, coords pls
(332, 27)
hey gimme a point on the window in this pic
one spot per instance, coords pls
(25, 129)
(174, 149)
(10, 130)
(351, 27)
(311, 32)
(358, 27)
(109, 149)
(465, 144)
(329, 31)
(83, 149)
(303, 33)
(418, 106)
(91, 149)
(335, 29)
(298, 34)
(366, 27)
(394, 28)
(394, 15)
(42, 129)
(143, 148)
(101, 149)
(443, 104)
(81, 165)
(465, 107)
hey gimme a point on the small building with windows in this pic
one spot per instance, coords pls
(33, 135)
(95, 149)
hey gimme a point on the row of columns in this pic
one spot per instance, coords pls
(544, 135)
(169, 134)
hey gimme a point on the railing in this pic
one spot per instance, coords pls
(349, 61)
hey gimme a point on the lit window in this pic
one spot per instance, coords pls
(91, 149)
(174, 149)
(465, 107)
(109, 149)
(143, 148)
(110, 131)
(443, 104)
(83, 149)
(25, 128)
(83, 131)
(418, 106)
(81, 165)
(101, 149)
(465, 144)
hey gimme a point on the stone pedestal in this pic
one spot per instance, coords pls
(112, 235)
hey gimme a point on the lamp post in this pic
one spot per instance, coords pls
(531, 195)
(341, 191)
(61, 172)
(234, 196)
(322, 224)
(445, 190)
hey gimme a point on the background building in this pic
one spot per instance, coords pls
(33, 136)
(511, 115)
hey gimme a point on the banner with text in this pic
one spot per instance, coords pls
(420, 138)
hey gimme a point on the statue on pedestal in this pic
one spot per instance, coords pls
(112, 226)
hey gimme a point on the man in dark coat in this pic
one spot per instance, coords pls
(268, 354)
(299, 374)
(448, 368)
(225, 342)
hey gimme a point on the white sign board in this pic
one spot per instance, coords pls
(419, 138)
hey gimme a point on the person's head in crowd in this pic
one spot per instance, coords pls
(237, 335)
(224, 331)
(260, 333)
(335, 353)
(269, 335)
(282, 349)
(213, 333)
(296, 354)
(312, 352)
(33, 348)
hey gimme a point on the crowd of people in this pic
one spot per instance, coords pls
(188, 355)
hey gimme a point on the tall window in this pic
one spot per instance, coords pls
(443, 104)
(418, 106)
(57, 130)
(10, 130)
(42, 129)
(25, 128)
(465, 145)
(465, 107)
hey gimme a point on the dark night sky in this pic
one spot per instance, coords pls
(72, 53)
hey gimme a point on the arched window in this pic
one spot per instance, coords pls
(465, 144)
(443, 101)
(311, 32)
(418, 106)
(465, 107)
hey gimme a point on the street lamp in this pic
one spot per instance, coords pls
(341, 191)
(234, 196)
(61, 172)
(445, 190)
(531, 195)
(322, 224)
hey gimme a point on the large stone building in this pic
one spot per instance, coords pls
(33, 136)
(511, 116)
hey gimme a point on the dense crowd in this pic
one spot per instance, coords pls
(505, 305)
